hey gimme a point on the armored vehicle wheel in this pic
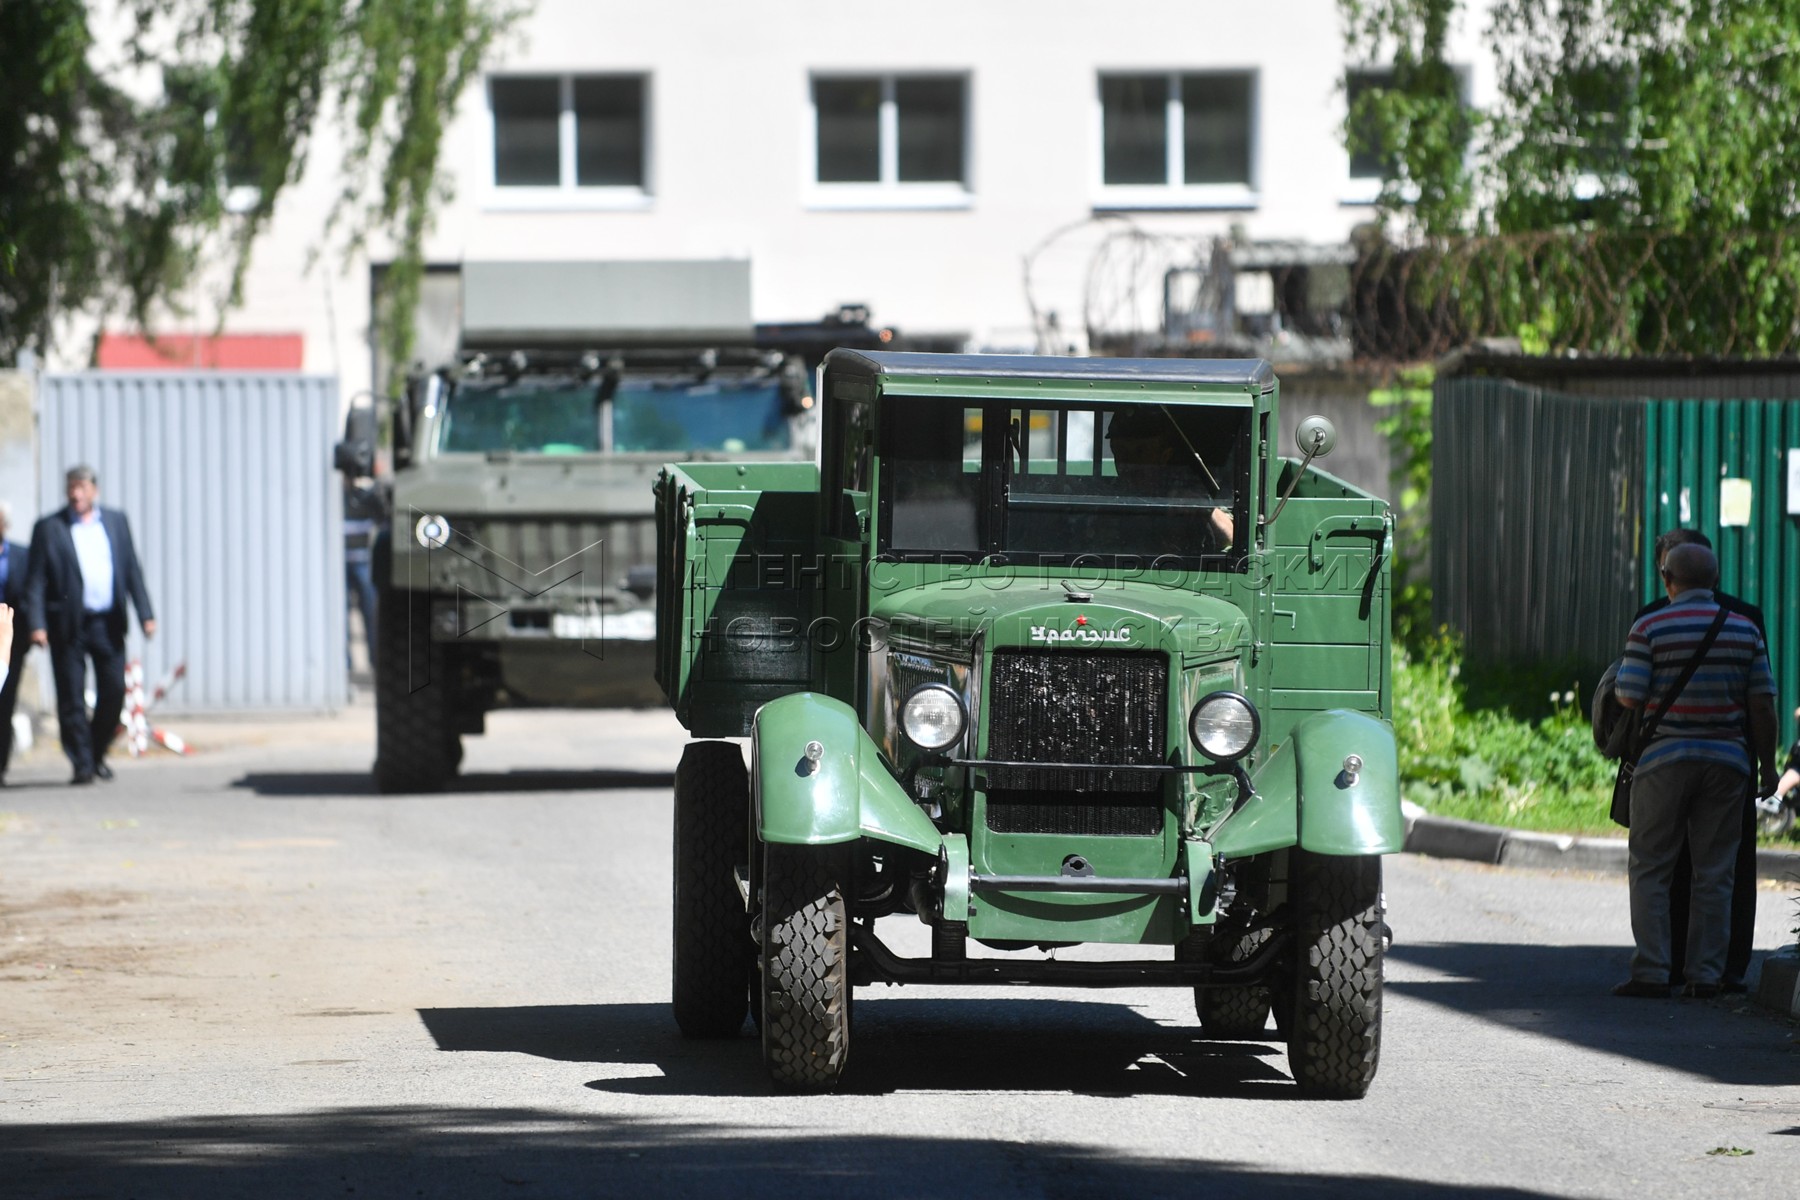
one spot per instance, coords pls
(1334, 1042)
(415, 748)
(713, 952)
(805, 966)
(1235, 1012)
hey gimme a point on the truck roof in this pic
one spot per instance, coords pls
(1249, 373)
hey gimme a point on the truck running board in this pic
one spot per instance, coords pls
(873, 962)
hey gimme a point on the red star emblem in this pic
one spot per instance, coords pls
(1081, 620)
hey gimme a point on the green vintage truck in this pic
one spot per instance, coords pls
(1044, 652)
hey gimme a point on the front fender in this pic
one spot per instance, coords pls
(849, 793)
(1303, 797)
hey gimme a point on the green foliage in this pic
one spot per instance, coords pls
(1407, 426)
(1630, 191)
(1418, 124)
(114, 201)
(1487, 764)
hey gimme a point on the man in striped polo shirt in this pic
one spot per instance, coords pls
(1690, 779)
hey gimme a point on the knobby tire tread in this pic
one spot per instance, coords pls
(415, 750)
(714, 957)
(806, 968)
(1236, 1013)
(1334, 1044)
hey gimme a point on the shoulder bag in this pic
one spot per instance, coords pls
(1621, 796)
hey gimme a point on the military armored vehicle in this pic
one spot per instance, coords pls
(1044, 653)
(518, 566)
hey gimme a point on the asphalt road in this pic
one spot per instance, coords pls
(244, 974)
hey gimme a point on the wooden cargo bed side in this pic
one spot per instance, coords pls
(733, 605)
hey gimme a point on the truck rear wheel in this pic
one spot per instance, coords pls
(1238, 1013)
(416, 748)
(805, 966)
(1334, 1042)
(713, 952)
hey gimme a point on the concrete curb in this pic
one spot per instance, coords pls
(1448, 837)
(1779, 987)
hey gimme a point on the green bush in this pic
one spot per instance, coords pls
(1487, 764)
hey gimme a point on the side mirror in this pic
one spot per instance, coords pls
(1316, 437)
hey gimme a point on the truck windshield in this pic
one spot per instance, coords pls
(567, 417)
(730, 416)
(527, 418)
(1144, 481)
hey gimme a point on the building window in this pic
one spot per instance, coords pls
(1178, 138)
(569, 133)
(890, 139)
(1370, 158)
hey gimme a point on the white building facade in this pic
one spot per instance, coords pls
(1003, 174)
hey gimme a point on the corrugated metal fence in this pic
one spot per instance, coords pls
(1536, 523)
(1545, 506)
(237, 516)
(1696, 450)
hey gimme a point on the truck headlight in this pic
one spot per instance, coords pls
(932, 717)
(1224, 725)
(432, 532)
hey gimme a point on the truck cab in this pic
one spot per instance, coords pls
(1043, 652)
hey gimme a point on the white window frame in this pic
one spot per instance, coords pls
(566, 194)
(889, 192)
(1173, 192)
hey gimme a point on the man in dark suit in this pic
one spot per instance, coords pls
(12, 594)
(81, 571)
(1743, 893)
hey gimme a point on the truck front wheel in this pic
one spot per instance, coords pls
(1334, 1039)
(713, 951)
(416, 747)
(805, 966)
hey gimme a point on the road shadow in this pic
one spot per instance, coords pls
(454, 1152)
(308, 784)
(1565, 992)
(999, 1046)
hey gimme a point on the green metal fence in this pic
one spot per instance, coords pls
(1545, 505)
(1698, 450)
(1536, 522)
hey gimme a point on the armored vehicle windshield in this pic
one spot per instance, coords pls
(1146, 481)
(576, 417)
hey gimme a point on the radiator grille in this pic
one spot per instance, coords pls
(1074, 707)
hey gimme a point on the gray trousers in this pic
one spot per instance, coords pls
(1701, 803)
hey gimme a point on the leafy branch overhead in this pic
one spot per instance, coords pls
(119, 193)
(1649, 144)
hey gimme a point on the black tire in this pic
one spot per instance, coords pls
(805, 966)
(1334, 1043)
(714, 956)
(1236, 1013)
(416, 748)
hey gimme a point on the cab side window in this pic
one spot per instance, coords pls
(850, 464)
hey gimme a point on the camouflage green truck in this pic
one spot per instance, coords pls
(1045, 652)
(518, 568)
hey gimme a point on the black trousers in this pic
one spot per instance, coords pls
(9, 695)
(1743, 905)
(84, 739)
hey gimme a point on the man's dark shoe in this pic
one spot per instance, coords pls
(82, 777)
(102, 771)
(1734, 987)
(1642, 989)
(1700, 991)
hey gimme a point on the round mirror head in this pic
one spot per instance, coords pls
(1316, 436)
